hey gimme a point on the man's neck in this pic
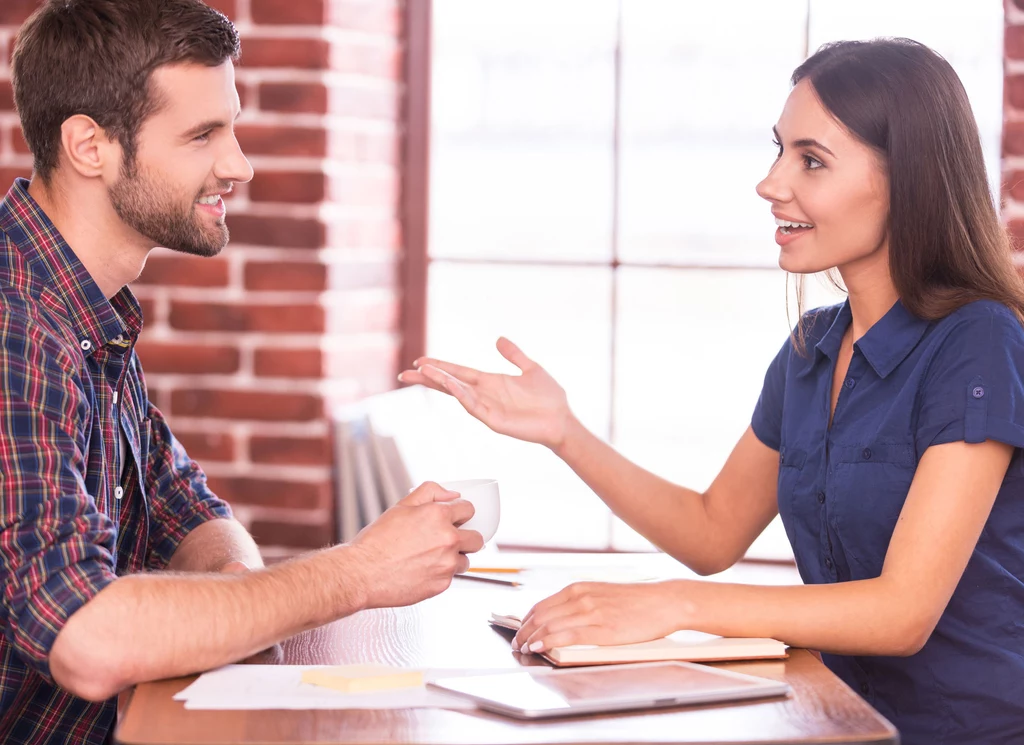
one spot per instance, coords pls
(100, 241)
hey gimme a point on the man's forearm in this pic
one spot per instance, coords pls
(149, 626)
(214, 545)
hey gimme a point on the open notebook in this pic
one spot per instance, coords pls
(687, 646)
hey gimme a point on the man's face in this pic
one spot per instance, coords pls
(186, 158)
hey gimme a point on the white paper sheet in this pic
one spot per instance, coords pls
(252, 687)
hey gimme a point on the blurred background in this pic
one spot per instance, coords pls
(577, 175)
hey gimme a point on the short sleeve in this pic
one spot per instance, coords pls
(973, 390)
(767, 419)
(179, 499)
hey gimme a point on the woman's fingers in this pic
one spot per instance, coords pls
(514, 354)
(415, 377)
(465, 374)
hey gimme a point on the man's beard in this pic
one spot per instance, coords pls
(156, 212)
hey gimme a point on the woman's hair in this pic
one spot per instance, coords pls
(947, 247)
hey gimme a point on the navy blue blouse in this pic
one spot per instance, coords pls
(911, 384)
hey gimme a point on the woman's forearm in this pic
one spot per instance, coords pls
(672, 517)
(865, 617)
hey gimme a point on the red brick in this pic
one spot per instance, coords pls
(278, 140)
(286, 12)
(1014, 89)
(227, 7)
(278, 362)
(264, 407)
(305, 54)
(185, 271)
(161, 357)
(308, 98)
(207, 446)
(148, 310)
(1013, 42)
(8, 174)
(262, 492)
(300, 534)
(379, 16)
(1014, 185)
(18, 140)
(281, 232)
(285, 275)
(6, 96)
(244, 94)
(291, 451)
(301, 187)
(15, 12)
(1019, 4)
(1013, 138)
(193, 316)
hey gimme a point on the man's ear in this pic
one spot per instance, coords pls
(86, 147)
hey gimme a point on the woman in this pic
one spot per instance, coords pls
(887, 434)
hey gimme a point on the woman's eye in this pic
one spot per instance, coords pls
(812, 163)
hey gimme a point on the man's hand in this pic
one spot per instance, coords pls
(412, 551)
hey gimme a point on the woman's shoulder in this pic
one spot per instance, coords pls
(981, 322)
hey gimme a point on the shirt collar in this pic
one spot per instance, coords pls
(885, 345)
(97, 321)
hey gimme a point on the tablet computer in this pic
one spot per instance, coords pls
(536, 693)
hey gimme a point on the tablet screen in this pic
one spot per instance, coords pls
(649, 684)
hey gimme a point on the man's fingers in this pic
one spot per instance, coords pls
(470, 541)
(460, 511)
(427, 492)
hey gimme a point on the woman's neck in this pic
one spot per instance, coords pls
(871, 291)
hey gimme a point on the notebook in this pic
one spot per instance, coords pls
(686, 646)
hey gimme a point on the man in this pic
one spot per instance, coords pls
(128, 107)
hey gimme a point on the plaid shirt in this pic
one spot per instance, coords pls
(69, 524)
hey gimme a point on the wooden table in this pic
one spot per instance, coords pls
(451, 631)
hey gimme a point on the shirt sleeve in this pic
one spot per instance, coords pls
(973, 390)
(767, 419)
(179, 499)
(56, 548)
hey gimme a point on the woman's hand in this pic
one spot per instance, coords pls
(602, 613)
(531, 406)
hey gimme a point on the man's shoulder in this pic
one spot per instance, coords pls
(25, 302)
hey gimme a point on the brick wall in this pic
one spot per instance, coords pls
(1013, 121)
(247, 352)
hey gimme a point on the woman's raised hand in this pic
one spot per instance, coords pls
(531, 406)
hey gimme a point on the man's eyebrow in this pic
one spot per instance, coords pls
(207, 126)
(805, 142)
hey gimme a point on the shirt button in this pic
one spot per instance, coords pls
(867, 453)
(850, 382)
(978, 392)
(821, 497)
(865, 688)
(118, 492)
(828, 562)
(86, 345)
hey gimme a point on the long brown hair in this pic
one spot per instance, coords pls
(947, 247)
(95, 57)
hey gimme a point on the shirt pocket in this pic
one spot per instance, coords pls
(797, 506)
(869, 486)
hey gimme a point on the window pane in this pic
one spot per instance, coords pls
(968, 34)
(702, 85)
(522, 118)
(562, 319)
(693, 347)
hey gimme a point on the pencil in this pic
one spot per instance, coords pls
(496, 570)
(495, 580)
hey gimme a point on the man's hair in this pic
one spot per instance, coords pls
(96, 57)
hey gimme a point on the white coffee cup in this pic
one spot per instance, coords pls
(483, 495)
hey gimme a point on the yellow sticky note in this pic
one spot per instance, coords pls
(362, 678)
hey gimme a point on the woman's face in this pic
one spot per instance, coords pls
(831, 184)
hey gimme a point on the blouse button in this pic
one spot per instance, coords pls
(867, 453)
(865, 688)
(850, 382)
(828, 562)
(821, 497)
(978, 392)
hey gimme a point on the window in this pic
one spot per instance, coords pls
(592, 176)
